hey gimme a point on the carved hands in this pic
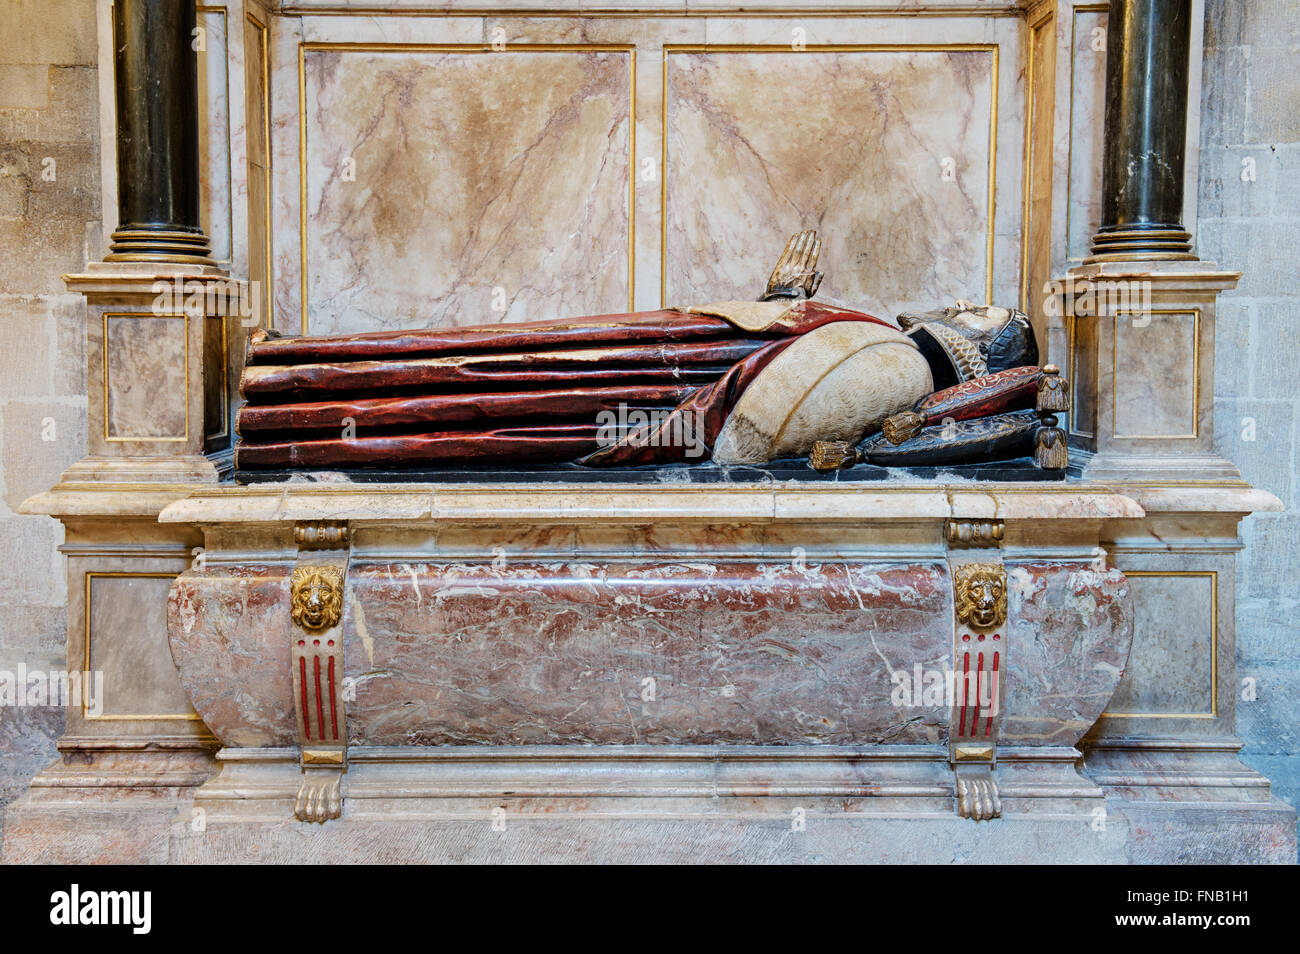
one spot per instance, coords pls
(796, 275)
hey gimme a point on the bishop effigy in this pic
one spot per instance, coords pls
(734, 382)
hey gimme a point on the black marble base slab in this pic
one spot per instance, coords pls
(1020, 469)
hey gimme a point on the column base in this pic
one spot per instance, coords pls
(1190, 802)
(182, 469)
(107, 805)
(164, 246)
(1158, 244)
(1112, 468)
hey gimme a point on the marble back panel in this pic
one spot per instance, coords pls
(457, 185)
(145, 377)
(1174, 648)
(125, 616)
(447, 170)
(888, 151)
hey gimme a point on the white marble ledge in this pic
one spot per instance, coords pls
(1168, 277)
(649, 503)
(110, 277)
(107, 499)
(202, 502)
(1193, 498)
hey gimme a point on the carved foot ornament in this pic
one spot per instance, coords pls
(316, 658)
(320, 797)
(1051, 451)
(977, 792)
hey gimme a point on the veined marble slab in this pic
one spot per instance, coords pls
(458, 186)
(648, 651)
(888, 152)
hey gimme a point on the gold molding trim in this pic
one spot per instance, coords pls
(104, 375)
(202, 9)
(1076, 405)
(1026, 172)
(264, 53)
(89, 576)
(1195, 312)
(1213, 576)
(994, 96)
(1040, 18)
(1069, 121)
(306, 46)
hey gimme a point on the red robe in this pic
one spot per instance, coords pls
(524, 393)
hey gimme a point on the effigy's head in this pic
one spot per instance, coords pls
(966, 340)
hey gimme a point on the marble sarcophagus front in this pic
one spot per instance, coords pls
(414, 647)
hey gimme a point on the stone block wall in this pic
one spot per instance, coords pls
(49, 225)
(1249, 219)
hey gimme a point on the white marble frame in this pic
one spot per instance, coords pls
(305, 47)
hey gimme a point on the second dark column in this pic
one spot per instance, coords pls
(1147, 45)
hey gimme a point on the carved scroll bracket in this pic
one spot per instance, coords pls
(316, 658)
(980, 644)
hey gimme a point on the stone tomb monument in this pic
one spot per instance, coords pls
(940, 585)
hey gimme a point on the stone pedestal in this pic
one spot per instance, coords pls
(159, 429)
(158, 336)
(1141, 365)
(127, 763)
(772, 622)
(1141, 343)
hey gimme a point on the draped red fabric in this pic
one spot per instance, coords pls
(610, 390)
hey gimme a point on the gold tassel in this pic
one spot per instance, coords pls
(1051, 451)
(1053, 395)
(902, 426)
(832, 455)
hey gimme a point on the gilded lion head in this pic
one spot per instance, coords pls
(981, 594)
(316, 596)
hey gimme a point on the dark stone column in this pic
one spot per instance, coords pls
(156, 82)
(1146, 131)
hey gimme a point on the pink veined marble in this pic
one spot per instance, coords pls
(659, 653)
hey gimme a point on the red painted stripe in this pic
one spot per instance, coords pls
(988, 725)
(302, 688)
(965, 694)
(334, 719)
(975, 719)
(320, 713)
